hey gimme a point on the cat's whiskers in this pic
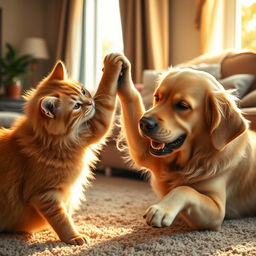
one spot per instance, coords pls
(96, 97)
(101, 97)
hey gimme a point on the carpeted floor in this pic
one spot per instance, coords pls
(112, 220)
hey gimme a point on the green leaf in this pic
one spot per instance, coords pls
(13, 65)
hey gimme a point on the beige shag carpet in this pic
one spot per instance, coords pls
(112, 220)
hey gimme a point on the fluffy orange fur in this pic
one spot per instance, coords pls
(45, 158)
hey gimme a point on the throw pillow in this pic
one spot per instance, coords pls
(240, 82)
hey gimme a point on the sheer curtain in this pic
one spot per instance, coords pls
(216, 20)
(79, 42)
(101, 34)
(83, 27)
(90, 68)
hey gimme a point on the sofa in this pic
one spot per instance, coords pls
(234, 69)
(10, 110)
(7, 118)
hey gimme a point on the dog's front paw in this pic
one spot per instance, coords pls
(159, 216)
(77, 240)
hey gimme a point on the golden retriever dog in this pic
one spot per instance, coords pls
(197, 146)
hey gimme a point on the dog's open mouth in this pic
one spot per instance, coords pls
(161, 149)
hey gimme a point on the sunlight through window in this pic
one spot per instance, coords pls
(248, 24)
(102, 34)
(111, 30)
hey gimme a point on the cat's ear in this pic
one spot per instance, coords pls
(49, 106)
(59, 71)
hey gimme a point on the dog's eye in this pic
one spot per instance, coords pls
(157, 98)
(77, 106)
(182, 105)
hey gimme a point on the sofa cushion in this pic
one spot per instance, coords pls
(249, 100)
(8, 118)
(240, 82)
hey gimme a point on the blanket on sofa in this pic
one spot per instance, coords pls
(112, 220)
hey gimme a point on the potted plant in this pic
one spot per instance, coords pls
(12, 67)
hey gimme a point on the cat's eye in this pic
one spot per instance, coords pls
(83, 92)
(182, 105)
(77, 106)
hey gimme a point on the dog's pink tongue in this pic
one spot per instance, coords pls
(157, 145)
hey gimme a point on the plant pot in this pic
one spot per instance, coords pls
(13, 91)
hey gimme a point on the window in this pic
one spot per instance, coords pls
(101, 34)
(247, 24)
(111, 27)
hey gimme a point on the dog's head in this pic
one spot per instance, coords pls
(190, 107)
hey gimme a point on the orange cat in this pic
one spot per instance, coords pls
(42, 156)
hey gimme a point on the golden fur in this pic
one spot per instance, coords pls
(197, 146)
(45, 157)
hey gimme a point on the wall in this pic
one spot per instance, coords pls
(24, 18)
(21, 19)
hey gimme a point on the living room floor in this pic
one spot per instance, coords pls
(111, 218)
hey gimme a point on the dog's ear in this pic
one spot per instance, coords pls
(225, 120)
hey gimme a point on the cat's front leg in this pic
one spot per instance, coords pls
(54, 211)
(105, 98)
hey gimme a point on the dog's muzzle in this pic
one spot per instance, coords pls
(148, 125)
(162, 149)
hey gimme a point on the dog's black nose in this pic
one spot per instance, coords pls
(148, 124)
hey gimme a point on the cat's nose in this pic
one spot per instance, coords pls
(89, 102)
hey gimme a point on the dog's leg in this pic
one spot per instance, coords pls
(200, 210)
(53, 210)
(132, 111)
